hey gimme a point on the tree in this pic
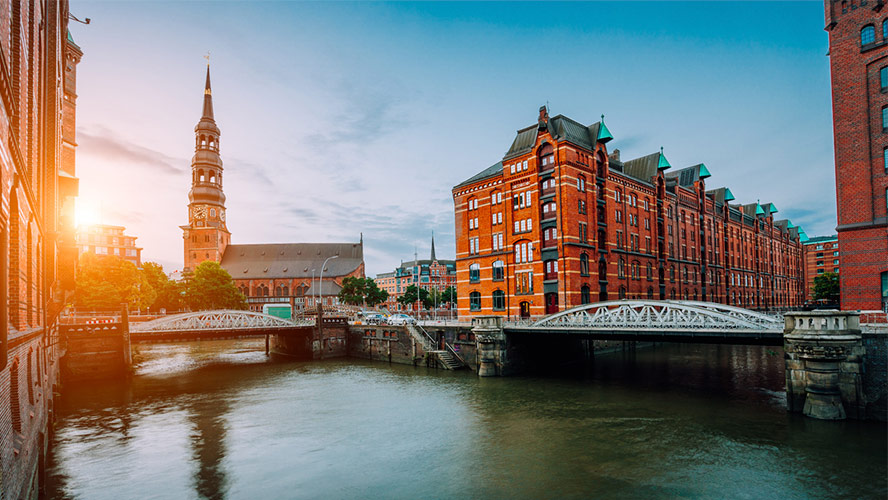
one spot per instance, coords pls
(409, 297)
(104, 282)
(211, 287)
(361, 291)
(449, 295)
(169, 292)
(826, 286)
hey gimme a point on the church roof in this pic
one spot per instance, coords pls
(291, 260)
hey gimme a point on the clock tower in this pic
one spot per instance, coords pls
(206, 234)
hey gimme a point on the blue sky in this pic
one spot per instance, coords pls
(343, 118)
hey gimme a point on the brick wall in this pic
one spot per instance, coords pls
(860, 144)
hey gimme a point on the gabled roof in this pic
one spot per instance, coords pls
(688, 175)
(769, 208)
(721, 195)
(494, 170)
(291, 260)
(644, 168)
(561, 128)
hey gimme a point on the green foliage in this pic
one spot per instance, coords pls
(170, 294)
(410, 297)
(826, 286)
(211, 287)
(104, 282)
(449, 295)
(361, 291)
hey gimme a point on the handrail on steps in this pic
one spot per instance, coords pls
(446, 345)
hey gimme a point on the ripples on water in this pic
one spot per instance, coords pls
(220, 420)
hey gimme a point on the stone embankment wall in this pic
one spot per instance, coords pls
(875, 375)
(393, 344)
(95, 351)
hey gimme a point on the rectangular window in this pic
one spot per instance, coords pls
(516, 227)
(476, 223)
(471, 224)
(499, 197)
(471, 245)
(524, 165)
(494, 243)
(528, 198)
(523, 225)
(494, 219)
(530, 224)
(885, 119)
(501, 240)
(524, 252)
(883, 78)
(512, 167)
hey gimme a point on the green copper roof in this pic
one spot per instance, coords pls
(604, 134)
(663, 163)
(773, 208)
(729, 196)
(789, 223)
(802, 235)
(704, 172)
(758, 209)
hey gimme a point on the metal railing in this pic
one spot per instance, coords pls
(447, 346)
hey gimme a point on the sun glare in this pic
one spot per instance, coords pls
(86, 213)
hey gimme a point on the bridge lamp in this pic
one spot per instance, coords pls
(321, 279)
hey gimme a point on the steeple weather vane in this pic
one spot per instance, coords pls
(207, 57)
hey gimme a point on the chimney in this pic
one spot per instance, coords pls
(615, 155)
(544, 118)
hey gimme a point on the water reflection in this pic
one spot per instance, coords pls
(223, 421)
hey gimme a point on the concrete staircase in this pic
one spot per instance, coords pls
(445, 359)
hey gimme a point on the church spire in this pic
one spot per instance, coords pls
(433, 247)
(208, 97)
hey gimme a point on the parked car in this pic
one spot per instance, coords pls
(401, 319)
(373, 318)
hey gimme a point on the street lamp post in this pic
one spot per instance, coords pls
(321, 279)
(312, 279)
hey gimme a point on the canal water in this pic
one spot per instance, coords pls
(221, 420)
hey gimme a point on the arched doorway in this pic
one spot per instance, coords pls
(525, 309)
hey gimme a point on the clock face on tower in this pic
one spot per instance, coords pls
(200, 212)
(222, 215)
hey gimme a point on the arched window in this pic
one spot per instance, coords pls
(620, 271)
(672, 274)
(200, 175)
(602, 269)
(286, 291)
(499, 300)
(585, 296)
(498, 271)
(203, 140)
(650, 272)
(475, 273)
(584, 264)
(546, 157)
(868, 35)
(212, 212)
(15, 405)
(277, 291)
(212, 176)
(475, 301)
(622, 292)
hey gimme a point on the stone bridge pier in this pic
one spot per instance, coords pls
(824, 356)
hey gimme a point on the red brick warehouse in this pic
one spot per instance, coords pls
(858, 56)
(560, 222)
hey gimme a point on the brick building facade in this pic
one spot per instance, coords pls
(560, 222)
(37, 253)
(858, 54)
(821, 256)
(103, 239)
(432, 274)
(266, 273)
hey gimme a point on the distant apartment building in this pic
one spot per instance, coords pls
(821, 256)
(102, 239)
(431, 274)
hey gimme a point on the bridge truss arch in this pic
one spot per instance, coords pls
(227, 319)
(660, 315)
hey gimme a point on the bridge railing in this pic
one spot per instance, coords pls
(449, 348)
